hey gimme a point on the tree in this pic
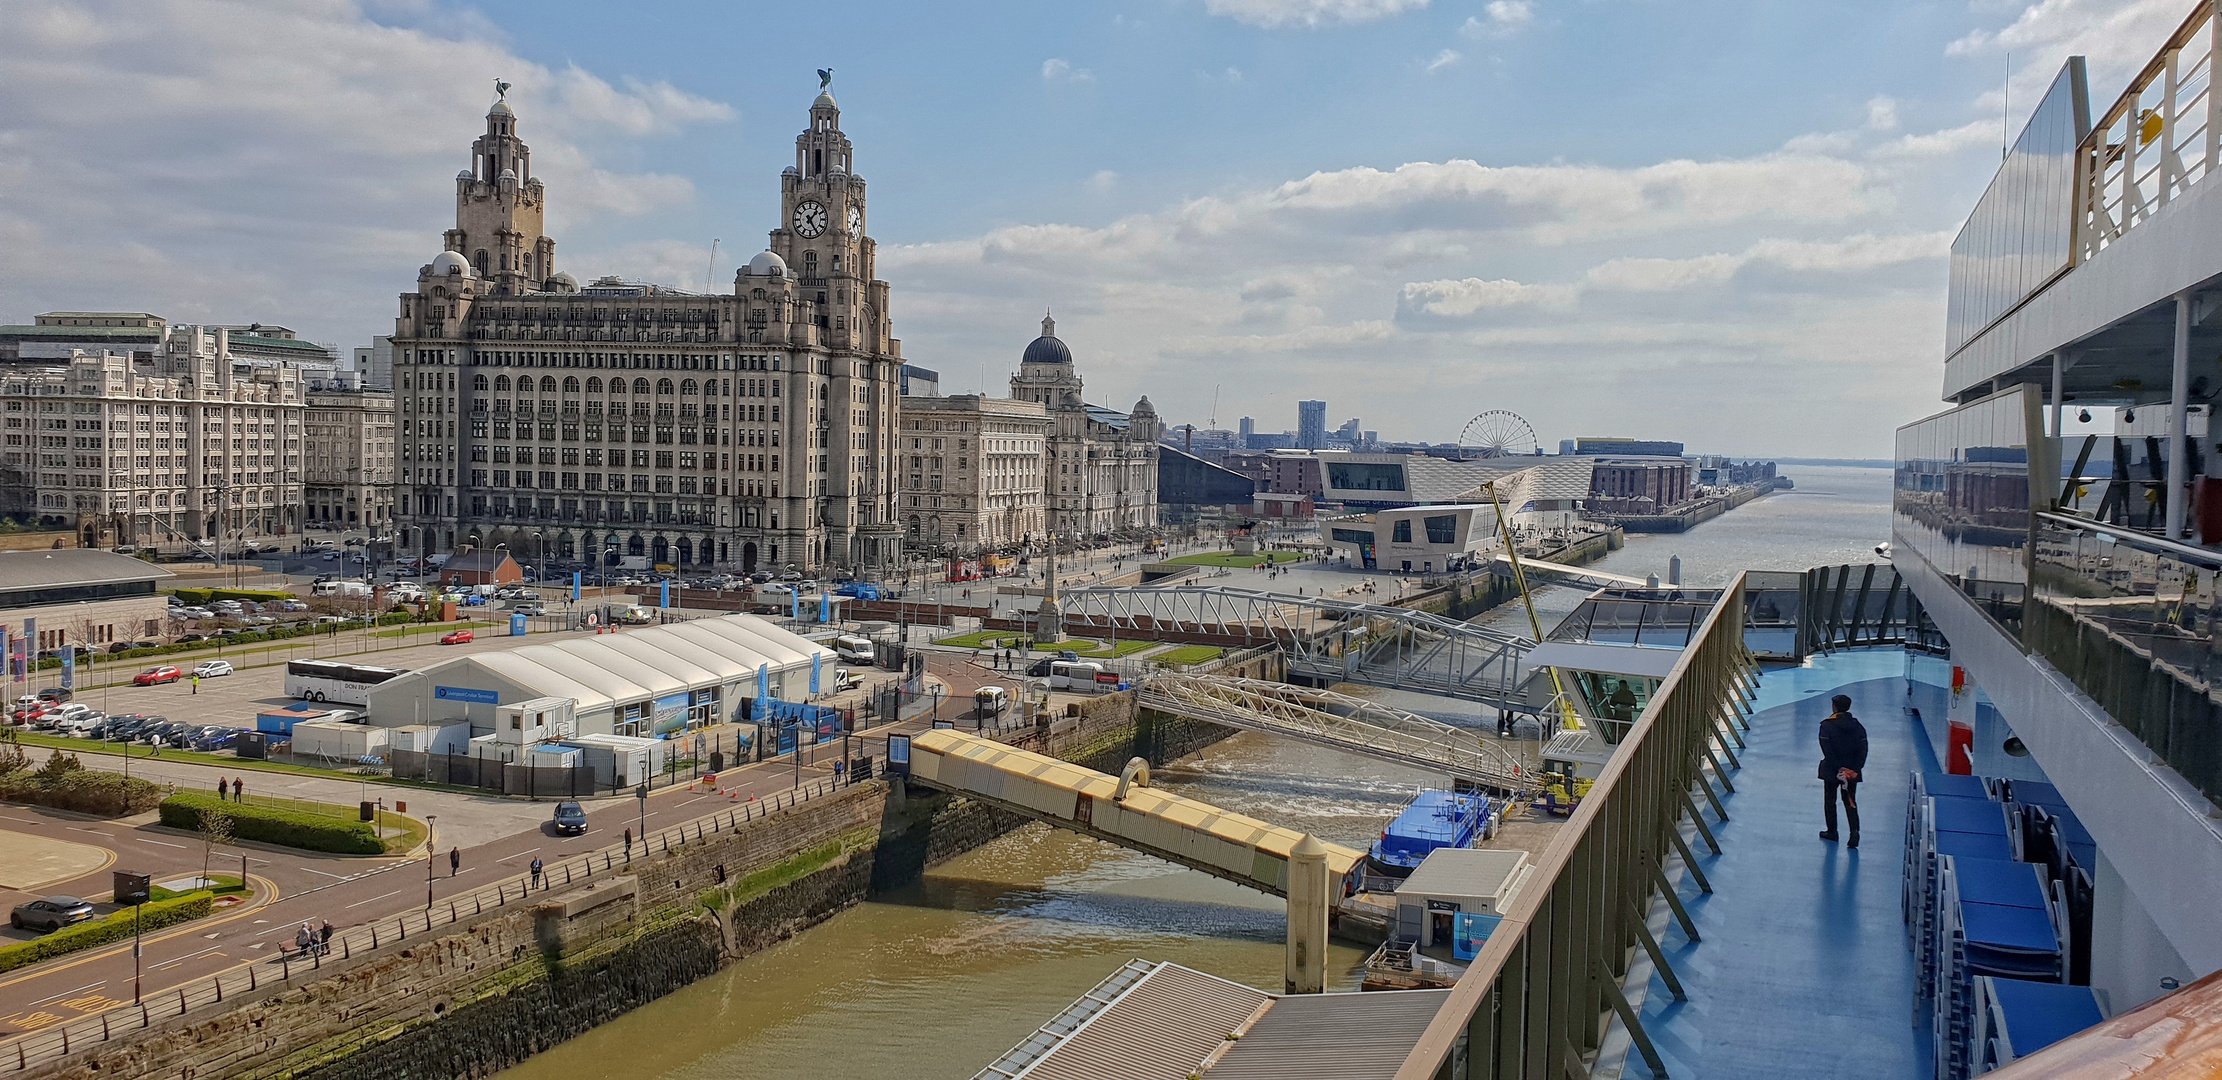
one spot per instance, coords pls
(215, 833)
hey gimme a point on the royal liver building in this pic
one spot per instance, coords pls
(745, 430)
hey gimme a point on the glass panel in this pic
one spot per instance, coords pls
(1963, 493)
(2022, 231)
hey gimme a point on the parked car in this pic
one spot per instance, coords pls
(290, 605)
(72, 711)
(329, 620)
(209, 669)
(160, 733)
(212, 739)
(125, 728)
(162, 673)
(259, 620)
(190, 639)
(55, 693)
(570, 819)
(529, 608)
(455, 637)
(51, 913)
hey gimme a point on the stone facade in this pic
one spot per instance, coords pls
(746, 429)
(971, 469)
(347, 465)
(1100, 477)
(192, 444)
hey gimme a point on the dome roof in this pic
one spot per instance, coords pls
(450, 262)
(767, 264)
(566, 282)
(1144, 408)
(825, 100)
(501, 108)
(1046, 349)
(465, 175)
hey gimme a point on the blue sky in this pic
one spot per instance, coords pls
(1718, 222)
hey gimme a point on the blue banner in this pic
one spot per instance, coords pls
(763, 687)
(794, 603)
(666, 600)
(787, 739)
(825, 608)
(69, 667)
(465, 693)
(576, 577)
(816, 659)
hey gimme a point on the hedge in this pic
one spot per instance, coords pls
(65, 784)
(115, 927)
(275, 633)
(199, 597)
(270, 825)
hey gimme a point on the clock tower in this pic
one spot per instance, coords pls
(821, 233)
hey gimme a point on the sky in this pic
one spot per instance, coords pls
(1719, 222)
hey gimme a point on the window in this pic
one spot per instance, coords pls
(1442, 529)
(1402, 533)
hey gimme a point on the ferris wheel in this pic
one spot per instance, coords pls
(1498, 433)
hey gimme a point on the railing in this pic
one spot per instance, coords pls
(2132, 620)
(1532, 1002)
(2147, 148)
(59, 1040)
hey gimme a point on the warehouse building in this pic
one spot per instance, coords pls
(636, 683)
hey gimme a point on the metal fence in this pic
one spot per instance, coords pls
(50, 1043)
(1533, 1002)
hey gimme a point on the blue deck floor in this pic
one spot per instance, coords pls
(1803, 970)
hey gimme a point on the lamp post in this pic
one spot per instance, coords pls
(431, 845)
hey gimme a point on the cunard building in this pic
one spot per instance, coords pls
(746, 430)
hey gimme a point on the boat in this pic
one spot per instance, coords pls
(1432, 819)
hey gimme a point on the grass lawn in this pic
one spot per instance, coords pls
(430, 628)
(142, 753)
(1089, 650)
(1191, 654)
(226, 885)
(1243, 562)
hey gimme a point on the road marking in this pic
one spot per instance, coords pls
(33, 1021)
(374, 899)
(314, 870)
(95, 832)
(66, 993)
(188, 956)
(91, 1003)
(164, 843)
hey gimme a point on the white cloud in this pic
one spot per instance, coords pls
(1103, 181)
(1058, 70)
(1882, 114)
(1499, 18)
(290, 161)
(1466, 296)
(1443, 60)
(1275, 14)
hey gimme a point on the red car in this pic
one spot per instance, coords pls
(456, 637)
(167, 673)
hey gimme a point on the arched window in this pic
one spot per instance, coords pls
(501, 382)
(687, 388)
(479, 260)
(640, 386)
(594, 385)
(478, 382)
(570, 384)
(547, 384)
(663, 386)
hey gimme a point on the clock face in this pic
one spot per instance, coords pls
(810, 219)
(856, 220)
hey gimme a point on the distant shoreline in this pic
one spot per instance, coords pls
(1850, 463)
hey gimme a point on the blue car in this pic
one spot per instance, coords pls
(212, 739)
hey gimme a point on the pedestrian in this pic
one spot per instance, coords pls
(628, 843)
(454, 860)
(237, 786)
(196, 684)
(1843, 755)
(220, 789)
(304, 936)
(536, 871)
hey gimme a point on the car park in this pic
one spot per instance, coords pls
(163, 673)
(50, 913)
(570, 819)
(455, 637)
(125, 728)
(209, 669)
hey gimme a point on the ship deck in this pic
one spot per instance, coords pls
(1804, 969)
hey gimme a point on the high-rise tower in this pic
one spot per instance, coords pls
(499, 210)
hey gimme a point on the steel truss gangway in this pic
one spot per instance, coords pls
(1327, 639)
(1338, 721)
(1578, 574)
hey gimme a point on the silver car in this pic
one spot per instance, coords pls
(51, 913)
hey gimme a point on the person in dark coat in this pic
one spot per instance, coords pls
(1843, 756)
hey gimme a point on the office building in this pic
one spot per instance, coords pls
(1101, 476)
(920, 382)
(750, 428)
(374, 364)
(348, 458)
(192, 445)
(1625, 447)
(1311, 425)
(971, 472)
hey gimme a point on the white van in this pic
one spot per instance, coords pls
(1074, 675)
(854, 649)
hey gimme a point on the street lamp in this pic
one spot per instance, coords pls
(431, 845)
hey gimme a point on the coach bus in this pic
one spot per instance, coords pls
(331, 680)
